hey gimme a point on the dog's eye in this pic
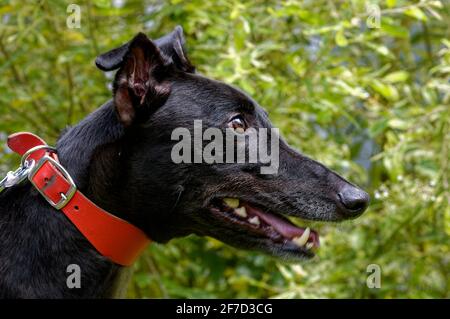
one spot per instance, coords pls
(238, 124)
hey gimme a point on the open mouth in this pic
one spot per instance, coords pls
(267, 225)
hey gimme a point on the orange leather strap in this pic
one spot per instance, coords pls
(111, 236)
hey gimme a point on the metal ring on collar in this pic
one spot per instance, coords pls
(34, 149)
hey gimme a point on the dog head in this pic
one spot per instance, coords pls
(173, 190)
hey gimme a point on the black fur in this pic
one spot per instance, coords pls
(119, 156)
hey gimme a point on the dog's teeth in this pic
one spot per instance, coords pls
(303, 239)
(241, 211)
(298, 241)
(254, 220)
(309, 245)
(232, 202)
(239, 130)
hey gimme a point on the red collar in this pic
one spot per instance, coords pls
(113, 237)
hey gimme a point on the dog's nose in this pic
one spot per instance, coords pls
(354, 200)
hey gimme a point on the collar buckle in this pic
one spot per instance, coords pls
(65, 197)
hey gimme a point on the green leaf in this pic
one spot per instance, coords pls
(5, 9)
(396, 31)
(391, 3)
(395, 77)
(380, 49)
(399, 124)
(340, 38)
(389, 92)
(415, 12)
(102, 3)
(378, 127)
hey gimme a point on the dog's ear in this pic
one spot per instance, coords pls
(139, 85)
(171, 45)
(113, 59)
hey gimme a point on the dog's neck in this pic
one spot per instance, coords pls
(91, 153)
(48, 242)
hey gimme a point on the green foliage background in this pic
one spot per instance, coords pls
(372, 103)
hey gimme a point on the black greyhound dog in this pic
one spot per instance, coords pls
(120, 157)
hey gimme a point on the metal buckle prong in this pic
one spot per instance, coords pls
(65, 197)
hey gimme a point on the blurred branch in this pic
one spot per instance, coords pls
(91, 28)
(154, 270)
(26, 116)
(70, 93)
(67, 67)
(23, 82)
(421, 120)
(398, 10)
(445, 164)
(120, 286)
(428, 45)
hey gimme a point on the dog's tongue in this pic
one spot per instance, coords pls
(282, 225)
